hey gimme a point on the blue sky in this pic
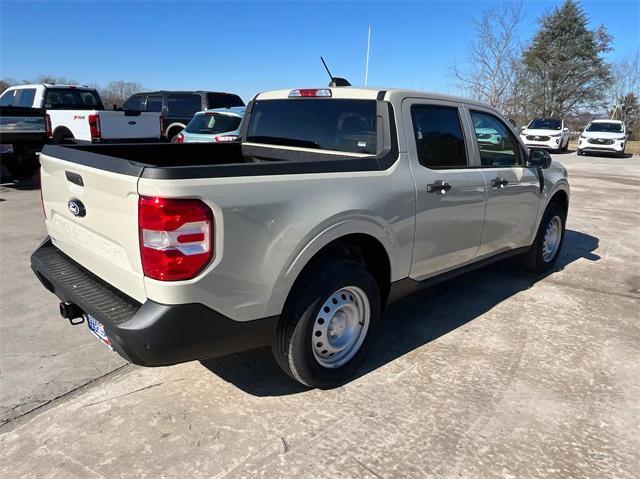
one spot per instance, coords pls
(246, 47)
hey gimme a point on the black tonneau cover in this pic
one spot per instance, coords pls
(211, 160)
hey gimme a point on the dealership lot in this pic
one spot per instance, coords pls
(496, 373)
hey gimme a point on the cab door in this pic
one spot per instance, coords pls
(450, 192)
(513, 190)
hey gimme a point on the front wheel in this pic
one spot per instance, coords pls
(549, 240)
(328, 323)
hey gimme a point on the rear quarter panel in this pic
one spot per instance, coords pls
(268, 227)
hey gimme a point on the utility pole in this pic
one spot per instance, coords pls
(366, 68)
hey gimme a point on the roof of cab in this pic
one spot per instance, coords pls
(371, 93)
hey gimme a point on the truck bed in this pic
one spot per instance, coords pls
(210, 160)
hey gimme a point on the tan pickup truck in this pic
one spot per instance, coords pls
(337, 201)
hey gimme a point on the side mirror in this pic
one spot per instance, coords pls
(566, 129)
(629, 132)
(524, 128)
(539, 159)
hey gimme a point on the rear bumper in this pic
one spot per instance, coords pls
(148, 334)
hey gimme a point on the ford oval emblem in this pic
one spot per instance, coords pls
(76, 208)
(132, 122)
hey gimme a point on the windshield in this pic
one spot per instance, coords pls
(72, 99)
(605, 127)
(545, 124)
(213, 123)
(328, 124)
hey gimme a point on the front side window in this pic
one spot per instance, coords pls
(498, 146)
(327, 124)
(438, 135)
(154, 103)
(134, 103)
(183, 104)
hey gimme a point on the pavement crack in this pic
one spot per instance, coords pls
(124, 395)
(5, 422)
(366, 468)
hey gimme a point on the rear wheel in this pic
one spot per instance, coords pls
(549, 240)
(328, 323)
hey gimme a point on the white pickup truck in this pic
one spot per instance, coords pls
(77, 115)
(337, 202)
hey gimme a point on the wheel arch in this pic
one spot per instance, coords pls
(174, 126)
(359, 244)
(61, 132)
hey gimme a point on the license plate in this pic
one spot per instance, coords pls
(97, 328)
(7, 148)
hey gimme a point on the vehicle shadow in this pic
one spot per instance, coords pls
(411, 322)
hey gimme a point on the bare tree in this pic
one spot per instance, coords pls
(116, 92)
(6, 83)
(493, 55)
(625, 88)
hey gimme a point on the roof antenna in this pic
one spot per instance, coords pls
(335, 81)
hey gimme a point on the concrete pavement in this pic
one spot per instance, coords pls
(495, 374)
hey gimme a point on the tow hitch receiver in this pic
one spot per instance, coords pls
(72, 312)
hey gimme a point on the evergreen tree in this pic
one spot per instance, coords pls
(564, 63)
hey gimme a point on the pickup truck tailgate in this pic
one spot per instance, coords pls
(122, 125)
(99, 228)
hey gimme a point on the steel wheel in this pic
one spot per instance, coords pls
(552, 237)
(340, 327)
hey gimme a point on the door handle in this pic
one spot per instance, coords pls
(499, 182)
(439, 187)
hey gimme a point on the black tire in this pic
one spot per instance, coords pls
(23, 170)
(63, 137)
(534, 259)
(292, 345)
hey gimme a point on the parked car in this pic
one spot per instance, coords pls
(549, 133)
(337, 202)
(213, 126)
(603, 136)
(23, 133)
(178, 107)
(78, 116)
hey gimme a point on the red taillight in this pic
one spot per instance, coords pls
(179, 138)
(322, 92)
(94, 127)
(226, 138)
(176, 237)
(47, 125)
(161, 126)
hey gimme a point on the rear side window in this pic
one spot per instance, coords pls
(133, 103)
(154, 103)
(206, 123)
(72, 99)
(183, 104)
(223, 100)
(328, 124)
(27, 96)
(438, 135)
(498, 146)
